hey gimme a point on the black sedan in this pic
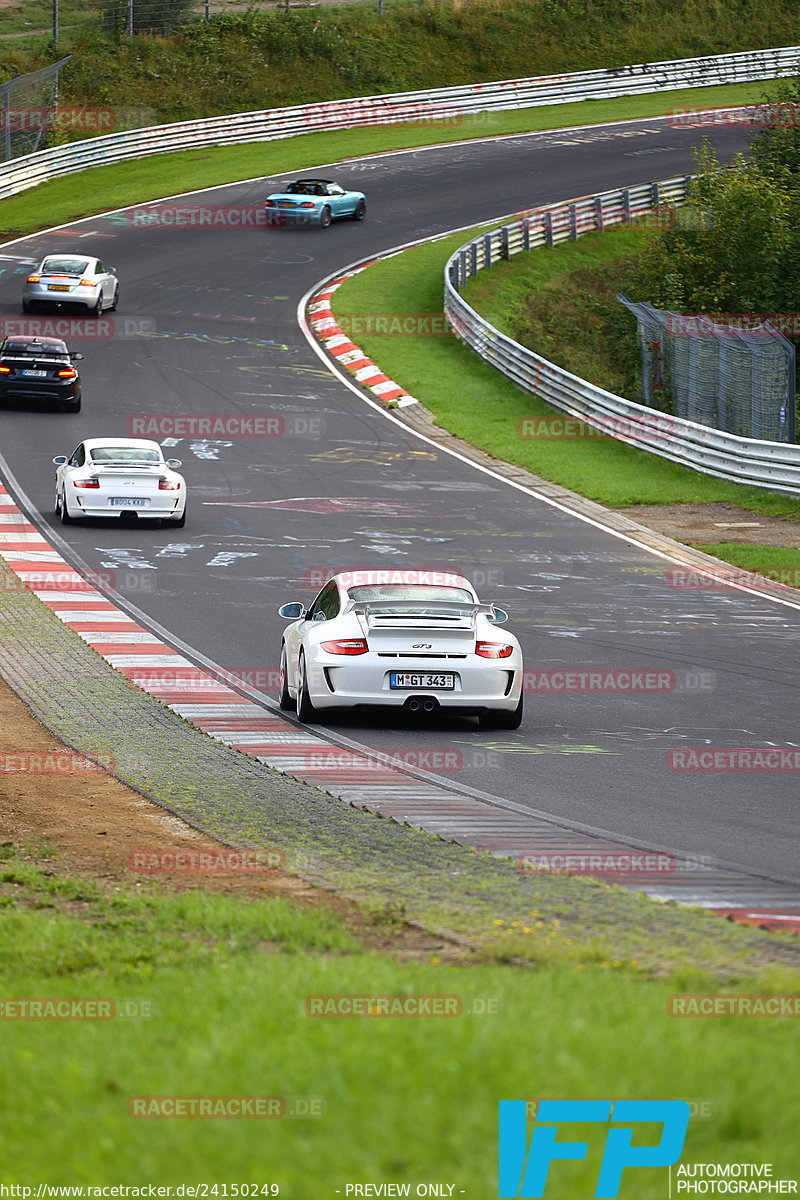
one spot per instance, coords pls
(33, 368)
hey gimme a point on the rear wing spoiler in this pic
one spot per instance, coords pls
(437, 610)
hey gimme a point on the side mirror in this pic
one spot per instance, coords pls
(76, 355)
(499, 616)
(174, 463)
(292, 612)
(60, 460)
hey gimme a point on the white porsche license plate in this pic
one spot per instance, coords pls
(34, 374)
(408, 680)
(126, 502)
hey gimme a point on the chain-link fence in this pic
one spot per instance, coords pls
(27, 103)
(734, 374)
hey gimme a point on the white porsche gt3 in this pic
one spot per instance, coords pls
(414, 640)
(116, 477)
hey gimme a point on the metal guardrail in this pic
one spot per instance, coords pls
(441, 104)
(773, 465)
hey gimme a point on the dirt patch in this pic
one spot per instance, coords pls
(94, 823)
(705, 524)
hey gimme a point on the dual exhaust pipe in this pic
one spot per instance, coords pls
(419, 704)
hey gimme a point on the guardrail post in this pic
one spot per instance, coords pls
(462, 262)
(526, 234)
(598, 213)
(504, 244)
(573, 221)
(473, 258)
(655, 192)
(626, 206)
(548, 227)
(487, 249)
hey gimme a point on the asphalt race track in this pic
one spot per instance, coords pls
(207, 324)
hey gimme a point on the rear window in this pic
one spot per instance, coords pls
(64, 266)
(43, 347)
(409, 592)
(123, 454)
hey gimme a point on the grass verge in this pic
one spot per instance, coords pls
(475, 402)
(217, 988)
(102, 189)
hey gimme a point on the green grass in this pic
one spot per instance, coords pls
(475, 402)
(406, 1100)
(255, 60)
(776, 562)
(104, 188)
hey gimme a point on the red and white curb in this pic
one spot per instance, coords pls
(362, 779)
(346, 353)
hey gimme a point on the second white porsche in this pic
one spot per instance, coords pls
(119, 477)
(414, 640)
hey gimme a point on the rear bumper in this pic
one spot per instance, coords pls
(79, 506)
(335, 681)
(23, 390)
(83, 297)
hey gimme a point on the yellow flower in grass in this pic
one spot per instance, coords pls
(498, 922)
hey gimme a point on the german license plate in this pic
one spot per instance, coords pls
(58, 287)
(126, 502)
(399, 679)
(35, 374)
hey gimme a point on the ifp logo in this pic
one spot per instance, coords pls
(524, 1168)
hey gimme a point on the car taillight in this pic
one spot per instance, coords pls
(169, 485)
(307, 204)
(5, 370)
(270, 204)
(87, 483)
(346, 646)
(88, 283)
(493, 650)
(67, 373)
(33, 278)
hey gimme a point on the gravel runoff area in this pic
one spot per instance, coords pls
(389, 868)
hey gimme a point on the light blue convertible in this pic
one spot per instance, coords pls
(314, 202)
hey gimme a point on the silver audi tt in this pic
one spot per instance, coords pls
(72, 281)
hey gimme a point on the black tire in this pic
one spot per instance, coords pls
(178, 522)
(285, 700)
(325, 218)
(61, 509)
(97, 311)
(360, 211)
(305, 709)
(26, 308)
(113, 307)
(72, 405)
(502, 720)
